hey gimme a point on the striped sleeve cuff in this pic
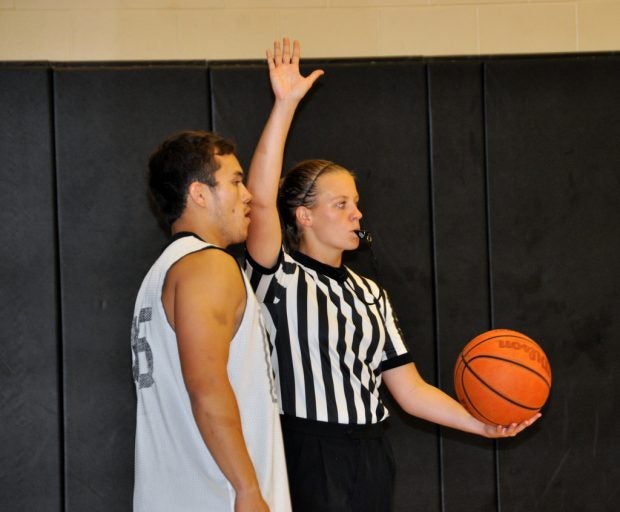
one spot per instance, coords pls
(259, 268)
(395, 362)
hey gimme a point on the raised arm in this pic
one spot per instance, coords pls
(289, 87)
(422, 400)
(204, 298)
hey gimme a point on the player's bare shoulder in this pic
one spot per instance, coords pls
(211, 277)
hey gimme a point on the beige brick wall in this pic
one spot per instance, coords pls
(241, 29)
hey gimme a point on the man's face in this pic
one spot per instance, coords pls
(230, 201)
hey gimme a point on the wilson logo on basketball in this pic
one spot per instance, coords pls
(532, 353)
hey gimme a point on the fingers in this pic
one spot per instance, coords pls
(296, 52)
(270, 61)
(524, 424)
(284, 68)
(282, 53)
(277, 53)
(512, 430)
(534, 419)
(505, 431)
(515, 428)
(286, 54)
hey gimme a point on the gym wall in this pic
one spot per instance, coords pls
(115, 30)
(491, 188)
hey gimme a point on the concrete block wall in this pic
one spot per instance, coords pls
(77, 30)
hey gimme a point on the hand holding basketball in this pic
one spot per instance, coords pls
(495, 431)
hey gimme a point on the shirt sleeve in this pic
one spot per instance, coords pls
(269, 283)
(395, 352)
(261, 278)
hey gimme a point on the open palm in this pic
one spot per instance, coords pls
(286, 80)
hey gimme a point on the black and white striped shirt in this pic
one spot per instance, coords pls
(334, 332)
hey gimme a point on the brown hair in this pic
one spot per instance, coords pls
(179, 161)
(298, 188)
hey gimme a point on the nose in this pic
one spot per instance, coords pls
(357, 214)
(246, 196)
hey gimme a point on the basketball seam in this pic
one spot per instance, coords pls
(512, 361)
(510, 400)
(470, 402)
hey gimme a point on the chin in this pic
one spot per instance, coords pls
(241, 238)
(353, 245)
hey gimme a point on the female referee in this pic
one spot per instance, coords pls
(335, 336)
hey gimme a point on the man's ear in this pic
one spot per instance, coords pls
(197, 193)
(303, 216)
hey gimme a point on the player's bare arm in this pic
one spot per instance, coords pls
(204, 297)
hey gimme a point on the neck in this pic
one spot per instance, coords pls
(332, 257)
(208, 235)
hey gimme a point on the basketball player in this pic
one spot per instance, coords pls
(335, 334)
(208, 433)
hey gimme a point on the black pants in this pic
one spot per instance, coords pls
(338, 468)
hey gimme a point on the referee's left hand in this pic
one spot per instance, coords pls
(498, 431)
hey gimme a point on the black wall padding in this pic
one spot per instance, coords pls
(461, 265)
(554, 160)
(371, 118)
(108, 121)
(30, 435)
(490, 184)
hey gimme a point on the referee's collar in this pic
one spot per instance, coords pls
(340, 273)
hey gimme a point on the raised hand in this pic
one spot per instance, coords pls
(287, 82)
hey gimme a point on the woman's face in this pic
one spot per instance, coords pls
(331, 223)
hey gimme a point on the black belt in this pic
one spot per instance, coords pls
(329, 429)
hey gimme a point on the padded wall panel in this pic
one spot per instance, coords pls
(553, 127)
(370, 117)
(30, 435)
(552, 130)
(462, 271)
(108, 122)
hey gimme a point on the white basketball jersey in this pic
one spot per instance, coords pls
(174, 470)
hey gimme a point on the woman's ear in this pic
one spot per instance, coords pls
(303, 216)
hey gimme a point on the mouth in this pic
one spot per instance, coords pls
(355, 234)
(363, 234)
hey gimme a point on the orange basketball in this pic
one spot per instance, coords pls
(502, 377)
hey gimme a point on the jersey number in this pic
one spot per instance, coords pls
(144, 379)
